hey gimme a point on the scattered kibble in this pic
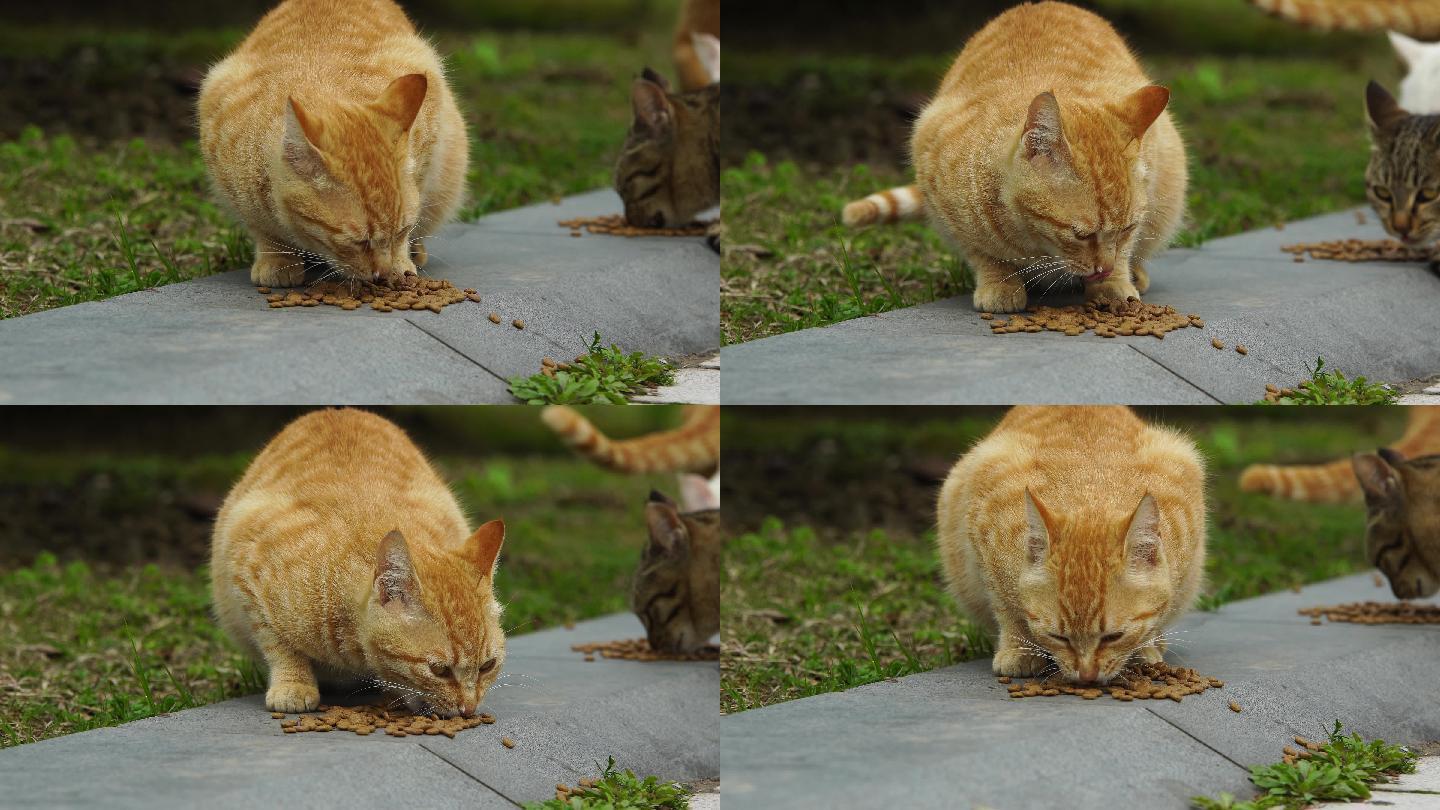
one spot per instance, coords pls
(518, 324)
(494, 317)
(1156, 681)
(1376, 613)
(1240, 349)
(1359, 217)
(1377, 579)
(615, 225)
(507, 742)
(365, 720)
(638, 649)
(1106, 318)
(1234, 707)
(406, 293)
(1216, 343)
(1359, 250)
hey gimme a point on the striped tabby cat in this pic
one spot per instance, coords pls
(1077, 533)
(1418, 18)
(1045, 152)
(1402, 180)
(1335, 482)
(1402, 529)
(669, 168)
(341, 553)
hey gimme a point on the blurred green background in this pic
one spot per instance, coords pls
(105, 520)
(831, 578)
(102, 191)
(821, 99)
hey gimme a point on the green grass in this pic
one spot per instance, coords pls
(91, 645)
(621, 790)
(1332, 388)
(1341, 771)
(603, 375)
(810, 606)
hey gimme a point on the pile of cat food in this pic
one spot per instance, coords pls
(407, 293)
(1308, 748)
(1105, 318)
(638, 649)
(1375, 613)
(1359, 250)
(1156, 681)
(615, 225)
(365, 720)
(563, 792)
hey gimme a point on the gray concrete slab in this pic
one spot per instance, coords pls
(213, 340)
(564, 714)
(953, 737)
(1361, 317)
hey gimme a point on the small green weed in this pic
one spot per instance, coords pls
(603, 375)
(1332, 388)
(1342, 770)
(621, 790)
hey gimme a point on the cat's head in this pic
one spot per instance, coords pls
(1402, 525)
(669, 167)
(1403, 178)
(1094, 588)
(348, 188)
(677, 601)
(431, 629)
(1079, 181)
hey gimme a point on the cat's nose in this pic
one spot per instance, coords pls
(1089, 672)
(377, 276)
(467, 709)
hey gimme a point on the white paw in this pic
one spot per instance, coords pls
(1018, 662)
(1152, 655)
(277, 271)
(292, 697)
(999, 298)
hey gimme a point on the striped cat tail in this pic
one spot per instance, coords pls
(1335, 482)
(694, 446)
(891, 205)
(1417, 18)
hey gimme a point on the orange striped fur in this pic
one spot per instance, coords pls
(1077, 534)
(1418, 18)
(341, 552)
(332, 135)
(697, 44)
(694, 446)
(1047, 154)
(891, 205)
(1335, 482)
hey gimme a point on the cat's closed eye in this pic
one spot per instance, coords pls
(1059, 637)
(487, 666)
(440, 670)
(1110, 638)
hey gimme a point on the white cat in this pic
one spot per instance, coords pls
(1420, 90)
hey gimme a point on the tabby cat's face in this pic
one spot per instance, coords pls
(669, 168)
(1092, 602)
(1402, 527)
(677, 588)
(431, 634)
(1403, 178)
(352, 194)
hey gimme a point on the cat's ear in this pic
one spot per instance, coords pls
(1378, 478)
(667, 530)
(707, 50)
(697, 493)
(652, 107)
(483, 547)
(1043, 142)
(401, 101)
(395, 583)
(1142, 538)
(1140, 109)
(1381, 107)
(1410, 51)
(302, 132)
(1037, 529)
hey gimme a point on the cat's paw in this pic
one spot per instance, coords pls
(1141, 278)
(1000, 297)
(1152, 655)
(277, 270)
(1017, 661)
(292, 697)
(1111, 290)
(418, 254)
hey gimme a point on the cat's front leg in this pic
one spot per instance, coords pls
(1014, 657)
(276, 265)
(1117, 287)
(1142, 278)
(418, 254)
(998, 288)
(293, 687)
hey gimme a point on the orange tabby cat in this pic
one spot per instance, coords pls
(694, 446)
(342, 551)
(332, 134)
(1077, 533)
(1418, 18)
(1045, 152)
(1335, 482)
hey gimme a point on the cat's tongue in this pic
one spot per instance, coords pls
(1098, 275)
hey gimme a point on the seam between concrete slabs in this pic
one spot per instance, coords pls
(1132, 347)
(463, 355)
(1198, 740)
(469, 775)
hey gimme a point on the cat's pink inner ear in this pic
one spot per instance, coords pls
(1382, 107)
(1378, 480)
(1142, 107)
(667, 530)
(652, 107)
(1037, 528)
(1044, 137)
(394, 573)
(484, 545)
(1142, 538)
(401, 101)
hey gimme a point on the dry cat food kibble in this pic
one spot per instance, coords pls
(1307, 749)
(507, 742)
(365, 720)
(638, 649)
(1234, 707)
(564, 791)
(1157, 681)
(408, 293)
(1359, 250)
(1106, 318)
(1376, 613)
(615, 225)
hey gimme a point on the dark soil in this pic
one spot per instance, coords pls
(808, 118)
(84, 92)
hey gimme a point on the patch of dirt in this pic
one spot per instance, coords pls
(84, 93)
(806, 118)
